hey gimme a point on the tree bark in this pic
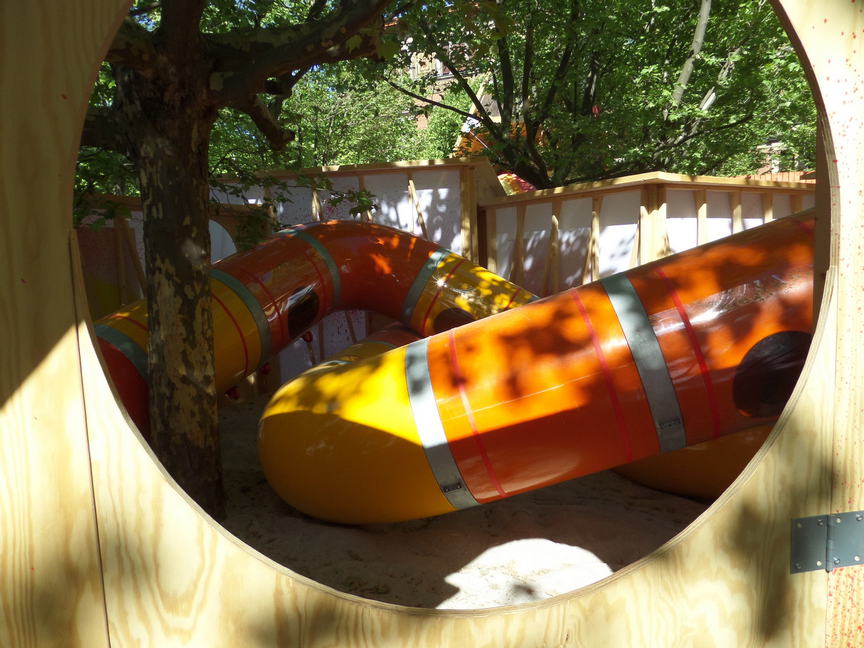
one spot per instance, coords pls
(170, 83)
(695, 49)
(169, 120)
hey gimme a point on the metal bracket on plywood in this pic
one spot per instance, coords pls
(827, 542)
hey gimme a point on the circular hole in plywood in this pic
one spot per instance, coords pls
(480, 540)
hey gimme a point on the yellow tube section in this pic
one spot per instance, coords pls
(675, 353)
(265, 298)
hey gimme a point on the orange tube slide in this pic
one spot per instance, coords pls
(265, 298)
(696, 346)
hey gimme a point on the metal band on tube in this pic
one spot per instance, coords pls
(420, 281)
(255, 309)
(325, 256)
(125, 345)
(430, 428)
(649, 360)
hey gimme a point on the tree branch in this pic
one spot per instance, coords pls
(528, 64)
(282, 88)
(709, 98)
(141, 11)
(246, 59)
(179, 25)
(267, 123)
(132, 47)
(431, 102)
(482, 114)
(589, 94)
(563, 64)
(695, 49)
(316, 10)
(693, 133)
(103, 129)
(505, 105)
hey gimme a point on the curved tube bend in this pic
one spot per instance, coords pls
(264, 298)
(695, 346)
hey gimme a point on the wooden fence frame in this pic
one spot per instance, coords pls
(651, 234)
(477, 181)
(99, 547)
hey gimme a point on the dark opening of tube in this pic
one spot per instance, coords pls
(303, 307)
(451, 318)
(767, 375)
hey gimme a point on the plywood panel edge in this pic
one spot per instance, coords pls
(827, 37)
(50, 588)
(172, 578)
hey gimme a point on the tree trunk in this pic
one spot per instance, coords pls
(172, 123)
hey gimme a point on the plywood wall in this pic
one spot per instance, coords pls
(50, 574)
(97, 544)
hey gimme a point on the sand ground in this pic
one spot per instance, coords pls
(525, 548)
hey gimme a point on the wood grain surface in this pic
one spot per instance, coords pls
(50, 581)
(172, 577)
(833, 45)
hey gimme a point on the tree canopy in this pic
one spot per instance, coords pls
(588, 89)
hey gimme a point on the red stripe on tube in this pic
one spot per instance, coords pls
(459, 379)
(697, 351)
(239, 332)
(441, 287)
(623, 434)
(126, 318)
(281, 320)
(512, 297)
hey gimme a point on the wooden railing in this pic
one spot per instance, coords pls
(434, 199)
(553, 239)
(544, 240)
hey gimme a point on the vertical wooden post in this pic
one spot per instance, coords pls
(468, 212)
(316, 204)
(316, 214)
(700, 198)
(351, 332)
(412, 193)
(795, 202)
(120, 261)
(767, 206)
(591, 270)
(271, 208)
(132, 251)
(652, 237)
(660, 227)
(642, 243)
(551, 269)
(489, 217)
(737, 212)
(517, 266)
(322, 347)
